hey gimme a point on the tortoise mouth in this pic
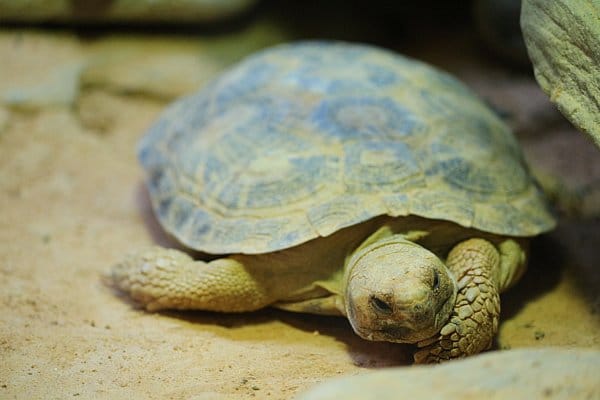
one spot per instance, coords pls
(394, 333)
(397, 326)
(398, 334)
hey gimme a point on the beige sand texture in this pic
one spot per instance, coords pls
(72, 202)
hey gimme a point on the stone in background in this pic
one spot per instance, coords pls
(78, 11)
(39, 70)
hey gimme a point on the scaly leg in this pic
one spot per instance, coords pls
(160, 278)
(473, 324)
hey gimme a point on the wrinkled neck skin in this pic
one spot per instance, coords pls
(397, 291)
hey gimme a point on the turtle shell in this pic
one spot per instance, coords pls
(301, 140)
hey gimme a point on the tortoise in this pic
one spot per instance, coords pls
(339, 179)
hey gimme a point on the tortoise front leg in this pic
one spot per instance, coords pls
(474, 321)
(160, 278)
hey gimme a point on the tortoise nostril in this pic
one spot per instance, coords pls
(380, 305)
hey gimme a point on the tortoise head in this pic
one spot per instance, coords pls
(398, 291)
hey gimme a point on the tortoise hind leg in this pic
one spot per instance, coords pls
(160, 278)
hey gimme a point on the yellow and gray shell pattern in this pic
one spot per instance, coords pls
(301, 140)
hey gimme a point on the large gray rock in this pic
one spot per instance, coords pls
(121, 10)
(550, 373)
(563, 41)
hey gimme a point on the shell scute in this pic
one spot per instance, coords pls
(363, 117)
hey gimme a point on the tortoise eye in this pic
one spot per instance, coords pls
(380, 305)
(436, 280)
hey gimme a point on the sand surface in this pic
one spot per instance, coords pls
(72, 202)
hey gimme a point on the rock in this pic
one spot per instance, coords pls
(562, 42)
(38, 69)
(137, 11)
(166, 67)
(159, 67)
(550, 373)
(51, 69)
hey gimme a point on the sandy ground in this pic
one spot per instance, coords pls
(72, 203)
